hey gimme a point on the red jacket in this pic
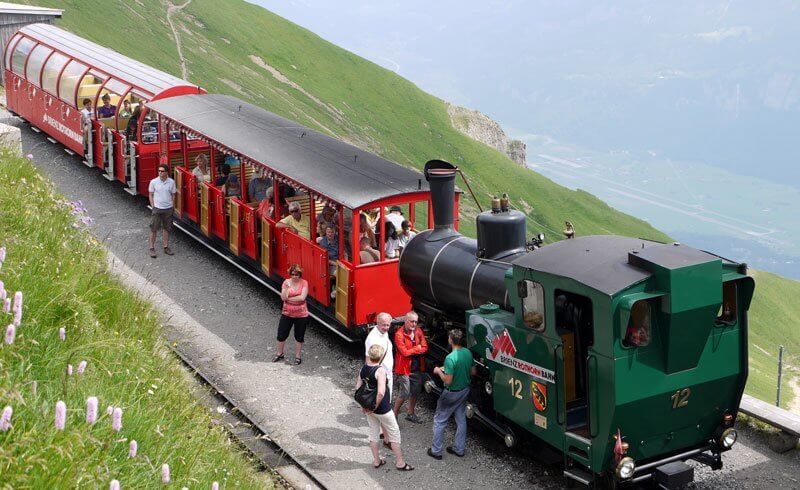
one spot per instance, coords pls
(405, 348)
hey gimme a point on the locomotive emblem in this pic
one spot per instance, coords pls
(539, 395)
(503, 352)
(503, 343)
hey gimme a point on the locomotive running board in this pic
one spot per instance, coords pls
(177, 224)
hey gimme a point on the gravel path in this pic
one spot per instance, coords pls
(209, 290)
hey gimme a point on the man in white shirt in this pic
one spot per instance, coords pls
(380, 335)
(395, 217)
(162, 196)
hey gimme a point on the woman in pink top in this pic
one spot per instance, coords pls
(295, 312)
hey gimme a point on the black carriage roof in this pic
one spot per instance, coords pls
(337, 170)
(601, 261)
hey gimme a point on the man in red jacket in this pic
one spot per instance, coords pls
(409, 364)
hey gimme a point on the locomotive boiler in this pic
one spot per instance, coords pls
(626, 356)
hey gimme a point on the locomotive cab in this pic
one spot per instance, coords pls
(626, 355)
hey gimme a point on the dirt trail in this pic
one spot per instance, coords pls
(171, 9)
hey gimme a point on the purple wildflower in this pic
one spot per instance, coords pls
(165, 473)
(215, 486)
(110, 410)
(17, 317)
(6, 305)
(61, 415)
(81, 367)
(69, 369)
(29, 156)
(2, 288)
(62, 334)
(11, 331)
(2, 254)
(5, 419)
(116, 420)
(134, 447)
(17, 301)
(114, 485)
(91, 410)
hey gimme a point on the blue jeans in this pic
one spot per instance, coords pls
(450, 403)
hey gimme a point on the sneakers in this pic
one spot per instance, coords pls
(153, 253)
(168, 251)
(450, 450)
(412, 417)
(434, 455)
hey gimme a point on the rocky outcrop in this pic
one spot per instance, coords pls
(481, 127)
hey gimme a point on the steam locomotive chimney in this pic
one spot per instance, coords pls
(441, 177)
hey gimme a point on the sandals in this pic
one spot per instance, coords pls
(278, 358)
(297, 361)
(376, 466)
(407, 467)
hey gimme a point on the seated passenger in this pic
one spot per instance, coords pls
(232, 187)
(133, 122)
(223, 177)
(107, 109)
(366, 231)
(373, 216)
(367, 254)
(126, 110)
(406, 235)
(392, 245)
(326, 218)
(265, 208)
(231, 161)
(257, 188)
(200, 170)
(330, 242)
(295, 221)
(395, 216)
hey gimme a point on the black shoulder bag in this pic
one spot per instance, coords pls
(365, 394)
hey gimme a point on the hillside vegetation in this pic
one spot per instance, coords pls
(110, 349)
(241, 49)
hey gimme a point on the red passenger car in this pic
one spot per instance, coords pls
(303, 166)
(49, 72)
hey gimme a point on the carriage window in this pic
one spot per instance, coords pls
(532, 304)
(88, 87)
(69, 79)
(51, 71)
(126, 110)
(21, 53)
(727, 310)
(10, 50)
(35, 62)
(639, 325)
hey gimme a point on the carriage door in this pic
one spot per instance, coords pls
(575, 326)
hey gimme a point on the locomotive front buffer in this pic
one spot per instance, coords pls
(626, 356)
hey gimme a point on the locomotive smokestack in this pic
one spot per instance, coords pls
(441, 177)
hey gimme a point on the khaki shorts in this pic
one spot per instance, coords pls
(161, 219)
(390, 427)
(409, 385)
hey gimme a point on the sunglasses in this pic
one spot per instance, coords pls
(294, 274)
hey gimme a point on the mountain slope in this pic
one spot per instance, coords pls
(237, 48)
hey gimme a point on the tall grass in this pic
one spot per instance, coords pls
(61, 270)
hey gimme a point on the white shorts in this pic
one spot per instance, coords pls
(390, 427)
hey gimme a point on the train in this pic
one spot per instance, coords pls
(626, 356)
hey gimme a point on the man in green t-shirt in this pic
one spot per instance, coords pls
(456, 374)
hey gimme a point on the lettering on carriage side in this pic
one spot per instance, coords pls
(503, 352)
(63, 129)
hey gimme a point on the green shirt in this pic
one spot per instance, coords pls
(458, 364)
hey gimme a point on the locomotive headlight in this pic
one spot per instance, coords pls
(728, 438)
(625, 468)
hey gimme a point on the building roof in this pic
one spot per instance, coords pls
(337, 170)
(601, 261)
(118, 66)
(14, 8)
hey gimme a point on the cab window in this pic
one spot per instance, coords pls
(532, 295)
(639, 329)
(727, 310)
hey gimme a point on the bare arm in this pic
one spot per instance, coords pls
(446, 378)
(285, 290)
(151, 200)
(380, 374)
(301, 296)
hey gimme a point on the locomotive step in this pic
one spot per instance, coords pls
(579, 475)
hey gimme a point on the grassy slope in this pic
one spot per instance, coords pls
(60, 271)
(373, 108)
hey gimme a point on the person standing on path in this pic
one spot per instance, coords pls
(456, 375)
(381, 416)
(380, 336)
(162, 198)
(409, 364)
(295, 313)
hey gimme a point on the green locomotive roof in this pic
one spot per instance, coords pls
(609, 263)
